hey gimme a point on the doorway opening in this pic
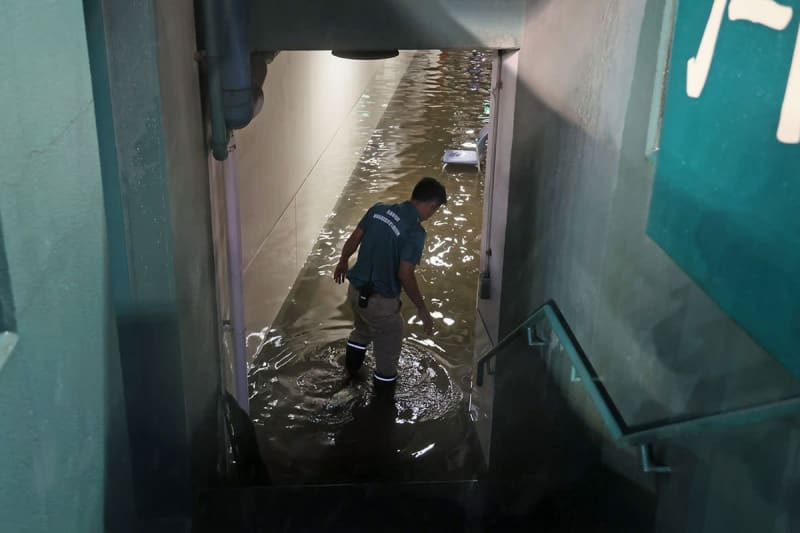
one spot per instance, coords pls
(313, 424)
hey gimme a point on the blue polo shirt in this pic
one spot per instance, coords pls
(392, 233)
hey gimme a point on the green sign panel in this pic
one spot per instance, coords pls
(726, 199)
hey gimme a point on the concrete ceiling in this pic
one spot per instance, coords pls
(386, 24)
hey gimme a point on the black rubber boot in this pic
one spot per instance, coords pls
(354, 357)
(384, 384)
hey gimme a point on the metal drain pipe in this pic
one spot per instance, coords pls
(230, 98)
(237, 83)
(235, 276)
(227, 52)
(213, 60)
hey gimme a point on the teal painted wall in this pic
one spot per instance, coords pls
(727, 194)
(108, 402)
(59, 388)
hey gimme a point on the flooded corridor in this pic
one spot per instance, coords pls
(314, 424)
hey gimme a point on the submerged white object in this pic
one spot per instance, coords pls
(468, 157)
(460, 157)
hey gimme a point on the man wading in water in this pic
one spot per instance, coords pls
(391, 241)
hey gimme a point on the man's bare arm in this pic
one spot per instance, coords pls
(408, 279)
(349, 248)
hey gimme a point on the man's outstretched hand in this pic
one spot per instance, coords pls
(340, 273)
(427, 321)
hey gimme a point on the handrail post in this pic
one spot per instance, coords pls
(641, 435)
(647, 463)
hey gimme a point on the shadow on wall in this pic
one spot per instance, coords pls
(148, 470)
(160, 451)
(547, 463)
(546, 182)
(7, 319)
(729, 481)
(119, 500)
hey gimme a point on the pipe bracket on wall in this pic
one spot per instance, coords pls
(647, 462)
(534, 339)
(485, 289)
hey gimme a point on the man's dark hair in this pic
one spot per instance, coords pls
(429, 189)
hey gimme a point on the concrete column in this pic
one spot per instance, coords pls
(155, 183)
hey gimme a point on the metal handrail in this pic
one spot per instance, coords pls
(8, 339)
(632, 435)
(585, 371)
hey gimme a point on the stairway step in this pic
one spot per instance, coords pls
(444, 506)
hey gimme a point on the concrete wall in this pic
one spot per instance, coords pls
(158, 212)
(60, 407)
(580, 185)
(190, 222)
(286, 190)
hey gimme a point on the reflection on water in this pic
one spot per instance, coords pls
(314, 423)
(324, 397)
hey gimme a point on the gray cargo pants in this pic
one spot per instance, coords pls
(382, 324)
